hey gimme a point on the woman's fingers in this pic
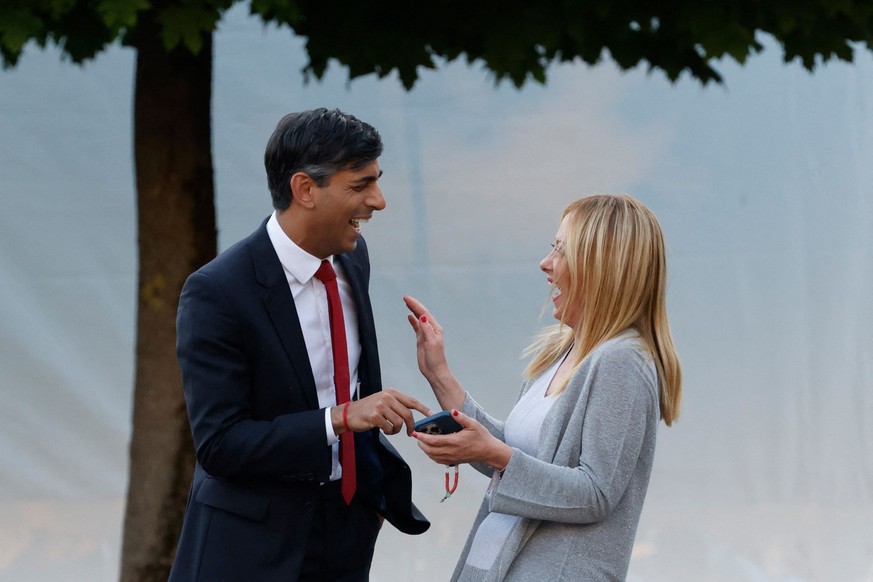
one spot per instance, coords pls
(439, 452)
(414, 305)
(464, 420)
(420, 312)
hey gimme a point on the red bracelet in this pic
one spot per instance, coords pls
(346, 416)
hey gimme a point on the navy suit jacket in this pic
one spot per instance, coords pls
(258, 431)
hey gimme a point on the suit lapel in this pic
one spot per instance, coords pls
(279, 303)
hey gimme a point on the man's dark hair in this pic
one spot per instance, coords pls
(319, 142)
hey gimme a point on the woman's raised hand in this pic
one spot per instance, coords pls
(431, 352)
(429, 343)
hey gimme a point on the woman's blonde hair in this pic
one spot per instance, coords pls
(617, 276)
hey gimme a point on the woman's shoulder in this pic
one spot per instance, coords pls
(624, 354)
(627, 344)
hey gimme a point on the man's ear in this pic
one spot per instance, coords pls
(302, 187)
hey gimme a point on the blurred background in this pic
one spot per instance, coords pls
(764, 188)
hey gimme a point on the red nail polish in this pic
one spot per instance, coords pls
(423, 319)
(415, 434)
(455, 413)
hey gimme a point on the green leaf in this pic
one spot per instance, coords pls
(185, 25)
(279, 11)
(121, 14)
(16, 28)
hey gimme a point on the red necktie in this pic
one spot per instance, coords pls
(341, 380)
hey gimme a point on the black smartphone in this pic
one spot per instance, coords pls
(439, 423)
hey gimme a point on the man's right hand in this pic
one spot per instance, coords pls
(386, 410)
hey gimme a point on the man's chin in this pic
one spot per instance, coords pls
(348, 246)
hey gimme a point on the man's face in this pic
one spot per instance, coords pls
(342, 206)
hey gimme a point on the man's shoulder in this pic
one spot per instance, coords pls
(237, 256)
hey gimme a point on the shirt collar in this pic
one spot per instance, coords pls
(297, 262)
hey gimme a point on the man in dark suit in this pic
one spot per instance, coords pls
(274, 401)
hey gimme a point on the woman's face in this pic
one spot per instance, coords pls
(554, 265)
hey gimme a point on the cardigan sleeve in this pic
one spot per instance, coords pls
(472, 409)
(618, 404)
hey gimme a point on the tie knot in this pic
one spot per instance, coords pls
(325, 272)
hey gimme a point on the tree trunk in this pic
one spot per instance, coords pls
(176, 222)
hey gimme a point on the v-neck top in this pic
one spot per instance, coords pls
(521, 431)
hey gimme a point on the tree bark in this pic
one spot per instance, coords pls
(176, 222)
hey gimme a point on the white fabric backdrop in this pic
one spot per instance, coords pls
(764, 189)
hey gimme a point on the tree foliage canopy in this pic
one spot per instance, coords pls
(515, 39)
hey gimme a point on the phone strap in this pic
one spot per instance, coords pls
(450, 490)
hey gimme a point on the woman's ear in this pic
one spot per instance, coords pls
(302, 187)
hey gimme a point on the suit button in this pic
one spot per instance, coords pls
(309, 506)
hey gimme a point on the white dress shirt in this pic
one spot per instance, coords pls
(310, 299)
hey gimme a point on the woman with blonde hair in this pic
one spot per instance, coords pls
(571, 464)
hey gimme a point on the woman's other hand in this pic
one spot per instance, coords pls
(470, 445)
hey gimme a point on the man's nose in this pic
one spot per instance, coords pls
(376, 200)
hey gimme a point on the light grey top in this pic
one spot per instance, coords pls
(581, 495)
(522, 431)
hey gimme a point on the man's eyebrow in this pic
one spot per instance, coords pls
(364, 179)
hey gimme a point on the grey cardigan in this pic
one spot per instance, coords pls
(581, 496)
